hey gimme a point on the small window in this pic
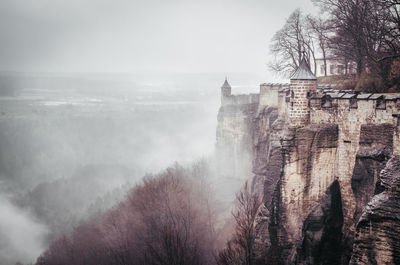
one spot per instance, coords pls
(380, 103)
(332, 69)
(322, 69)
(340, 69)
(326, 102)
(353, 103)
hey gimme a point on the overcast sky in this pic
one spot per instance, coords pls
(140, 36)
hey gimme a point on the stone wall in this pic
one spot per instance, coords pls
(300, 91)
(240, 99)
(269, 94)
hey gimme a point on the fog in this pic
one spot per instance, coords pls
(22, 237)
(94, 94)
(71, 145)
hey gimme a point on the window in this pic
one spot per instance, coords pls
(340, 69)
(332, 69)
(380, 103)
(326, 102)
(353, 103)
(322, 69)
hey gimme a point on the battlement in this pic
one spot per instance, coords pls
(331, 100)
(304, 101)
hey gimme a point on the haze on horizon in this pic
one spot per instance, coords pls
(152, 36)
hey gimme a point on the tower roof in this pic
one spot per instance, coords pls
(303, 72)
(226, 84)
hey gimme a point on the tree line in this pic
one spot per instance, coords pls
(360, 33)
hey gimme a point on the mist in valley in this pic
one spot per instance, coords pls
(72, 147)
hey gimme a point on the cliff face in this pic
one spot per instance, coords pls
(377, 239)
(322, 186)
(235, 139)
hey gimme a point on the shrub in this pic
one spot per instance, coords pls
(370, 83)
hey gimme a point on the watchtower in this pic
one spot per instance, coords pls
(303, 83)
(226, 90)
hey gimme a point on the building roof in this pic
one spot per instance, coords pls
(364, 96)
(303, 72)
(392, 97)
(336, 94)
(376, 96)
(226, 84)
(349, 95)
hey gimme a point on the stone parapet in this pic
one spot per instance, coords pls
(269, 94)
(241, 99)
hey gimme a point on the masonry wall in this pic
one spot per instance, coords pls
(240, 99)
(300, 90)
(269, 94)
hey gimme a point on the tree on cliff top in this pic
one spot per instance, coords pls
(291, 43)
(366, 32)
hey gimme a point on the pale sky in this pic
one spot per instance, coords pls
(140, 36)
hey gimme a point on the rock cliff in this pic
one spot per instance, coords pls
(329, 188)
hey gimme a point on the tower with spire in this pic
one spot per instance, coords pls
(303, 83)
(226, 91)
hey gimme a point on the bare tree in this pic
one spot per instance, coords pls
(365, 31)
(290, 43)
(240, 249)
(320, 30)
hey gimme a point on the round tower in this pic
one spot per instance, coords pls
(303, 83)
(226, 90)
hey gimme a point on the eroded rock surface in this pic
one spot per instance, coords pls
(375, 149)
(316, 182)
(322, 230)
(377, 239)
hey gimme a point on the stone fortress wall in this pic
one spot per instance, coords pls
(240, 99)
(303, 103)
(348, 109)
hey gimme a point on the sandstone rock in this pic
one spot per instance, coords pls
(234, 145)
(377, 239)
(322, 235)
(375, 149)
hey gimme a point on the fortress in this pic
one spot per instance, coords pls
(302, 144)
